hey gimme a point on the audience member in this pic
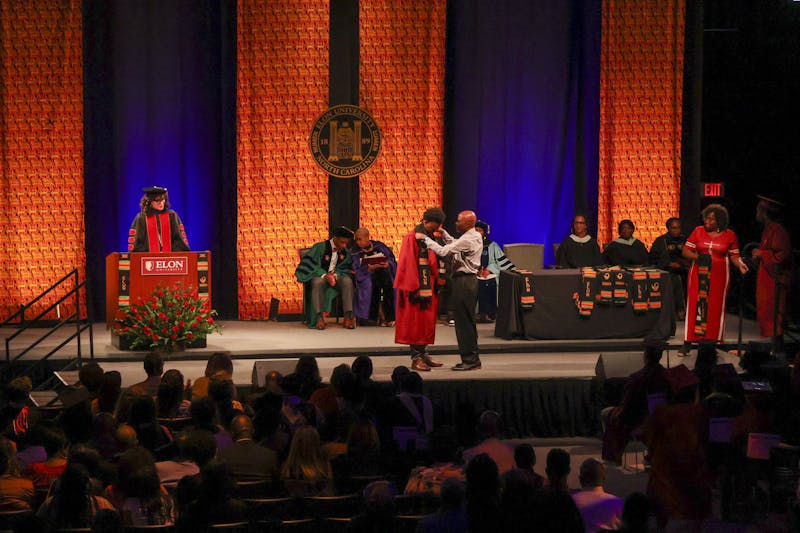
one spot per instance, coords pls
(72, 505)
(170, 401)
(246, 460)
(557, 470)
(636, 514)
(146, 503)
(379, 512)
(599, 509)
(149, 433)
(16, 492)
(214, 502)
(621, 421)
(204, 417)
(483, 495)
(407, 418)
(307, 472)
(109, 393)
(153, 367)
(491, 427)
(525, 460)
(43, 473)
(305, 379)
(451, 517)
(221, 391)
(195, 449)
(220, 365)
(680, 481)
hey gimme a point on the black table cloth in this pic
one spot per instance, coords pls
(555, 314)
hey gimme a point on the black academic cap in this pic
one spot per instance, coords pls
(154, 190)
(772, 204)
(483, 225)
(344, 232)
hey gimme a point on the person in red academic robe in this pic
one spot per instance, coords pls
(774, 256)
(417, 302)
(156, 228)
(713, 248)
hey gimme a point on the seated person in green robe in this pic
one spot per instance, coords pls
(325, 272)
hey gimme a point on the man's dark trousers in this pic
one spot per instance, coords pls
(463, 300)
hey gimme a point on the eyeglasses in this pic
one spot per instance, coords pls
(155, 200)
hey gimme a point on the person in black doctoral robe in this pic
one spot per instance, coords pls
(626, 250)
(579, 249)
(666, 253)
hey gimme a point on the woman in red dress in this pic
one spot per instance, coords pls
(713, 248)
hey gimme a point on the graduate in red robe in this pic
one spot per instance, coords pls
(713, 249)
(417, 302)
(774, 255)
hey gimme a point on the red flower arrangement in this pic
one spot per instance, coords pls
(171, 317)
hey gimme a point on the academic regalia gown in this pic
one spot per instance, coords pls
(618, 252)
(776, 253)
(363, 292)
(574, 254)
(314, 265)
(143, 235)
(720, 246)
(416, 322)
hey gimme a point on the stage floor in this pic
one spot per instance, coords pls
(250, 341)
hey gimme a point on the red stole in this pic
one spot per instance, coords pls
(153, 234)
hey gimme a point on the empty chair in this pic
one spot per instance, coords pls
(346, 506)
(526, 256)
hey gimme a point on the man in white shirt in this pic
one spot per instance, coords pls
(600, 510)
(466, 252)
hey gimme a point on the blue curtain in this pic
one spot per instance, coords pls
(160, 110)
(522, 115)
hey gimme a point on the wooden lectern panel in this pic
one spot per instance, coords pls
(134, 275)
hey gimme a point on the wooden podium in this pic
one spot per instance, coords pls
(134, 275)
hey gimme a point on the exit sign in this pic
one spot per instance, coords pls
(713, 190)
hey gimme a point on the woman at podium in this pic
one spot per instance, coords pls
(156, 228)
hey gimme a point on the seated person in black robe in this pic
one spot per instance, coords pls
(579, 249)
(667, 254)
(626, 250)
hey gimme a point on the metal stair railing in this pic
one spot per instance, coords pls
(62, 321)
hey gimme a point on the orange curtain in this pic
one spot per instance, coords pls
(402, 86)
(283, 87)
(641, 80)
(41, 150)
(283, 195)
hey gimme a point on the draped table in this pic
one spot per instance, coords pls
(555, 315)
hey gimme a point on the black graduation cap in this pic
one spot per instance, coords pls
(155, 190)
(344, 232)
(772, 205)
(483, 225)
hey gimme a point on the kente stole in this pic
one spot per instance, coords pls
(526, 298)
(425, 292)
(703, 285)
(640, 292)
(587, 291)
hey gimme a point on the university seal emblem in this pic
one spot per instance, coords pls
(345, 141)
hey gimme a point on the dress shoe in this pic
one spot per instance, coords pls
(367, 322)
(419, 365)
(349, 324)
(321, 323)
(433, 363)
(684, 350)
(467, 366)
